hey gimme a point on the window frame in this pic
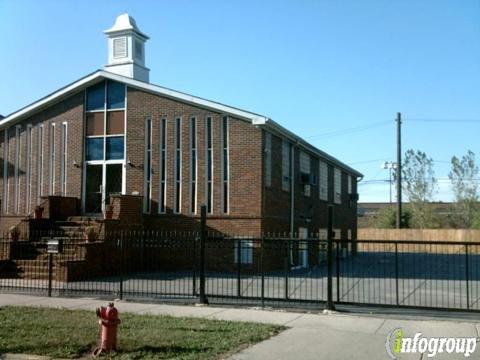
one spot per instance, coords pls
(209, 164)
(147, 175)
(337, 186)
(193, 147)
(323, 180)
(5, 170)
(268, 159)
(225, 164)
(17, 163)
(286, 166)
(28, 173)
(162, 208)
(40, 144)
(177, 165)
(51, 159)
(64, 158)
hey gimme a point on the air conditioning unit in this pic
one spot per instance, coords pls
(307, 179)
(307, 189)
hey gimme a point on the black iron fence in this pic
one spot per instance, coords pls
(264, 270)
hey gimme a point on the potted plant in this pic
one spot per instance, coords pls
(38, 213)
(108, 214)
(90, 234)
(14, 233)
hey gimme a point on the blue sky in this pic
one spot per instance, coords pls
(316, 67)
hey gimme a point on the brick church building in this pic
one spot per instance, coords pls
(154, 155)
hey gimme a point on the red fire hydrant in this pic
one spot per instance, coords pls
(108, 323)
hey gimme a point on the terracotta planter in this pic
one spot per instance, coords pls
(108, 214)
(38, 214)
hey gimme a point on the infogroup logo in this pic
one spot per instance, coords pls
(397, 344)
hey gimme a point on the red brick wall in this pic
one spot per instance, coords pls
(60, 207)
(247, 198)
(69, 110)
(278, 201)
(245, 162)
(127, 208)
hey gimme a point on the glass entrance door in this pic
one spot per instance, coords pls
(102, 180)
(94, 184)
(113, 180)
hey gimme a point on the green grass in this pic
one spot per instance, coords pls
(74, 333)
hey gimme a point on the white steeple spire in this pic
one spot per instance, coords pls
(126, 49)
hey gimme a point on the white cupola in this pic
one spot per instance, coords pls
(126, 49)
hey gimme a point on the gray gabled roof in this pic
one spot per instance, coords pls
(253, 118)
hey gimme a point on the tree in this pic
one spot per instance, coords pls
(464, 178)
(419, 185)
(387, 218)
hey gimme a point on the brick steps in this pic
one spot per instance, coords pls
(31, 261)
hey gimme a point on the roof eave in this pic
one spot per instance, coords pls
(255, 119)
(275, 127)
(46, 101)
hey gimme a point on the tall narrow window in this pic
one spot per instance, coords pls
(285, 166)
(209, 167)
(349, 184)
(5, 170)
(18, 128)
(163, 166)
(323, 181)
(178, 166)
(225, 165)
(104, 145)
(268, 159)
(63, 159)
(337, 185)
(28, 175)
(193, 165)
(40, 164)
(147, 199)
(305, 173)
(304, 163)
(51, 150)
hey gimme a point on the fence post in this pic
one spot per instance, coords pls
(337, 267)
(122, 262)
(467, 276)
(263, 271)
(239, 267)
(286, 266)
(396, 272)
(194, 272)
(50, 273)
(203, 235)
(330, 259)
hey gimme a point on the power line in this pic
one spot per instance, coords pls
(368, 161)
(348, 130)
(376, 181)
(441, 120)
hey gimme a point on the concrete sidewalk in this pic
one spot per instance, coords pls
(310, 336)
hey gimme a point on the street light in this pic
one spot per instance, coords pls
(389, 165)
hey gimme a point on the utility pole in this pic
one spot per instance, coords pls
(390, 166)
(399, 170)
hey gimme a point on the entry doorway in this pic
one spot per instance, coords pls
(101, 181)
(303, 247)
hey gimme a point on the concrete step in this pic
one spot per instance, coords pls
(68, 223)
(83, 219)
